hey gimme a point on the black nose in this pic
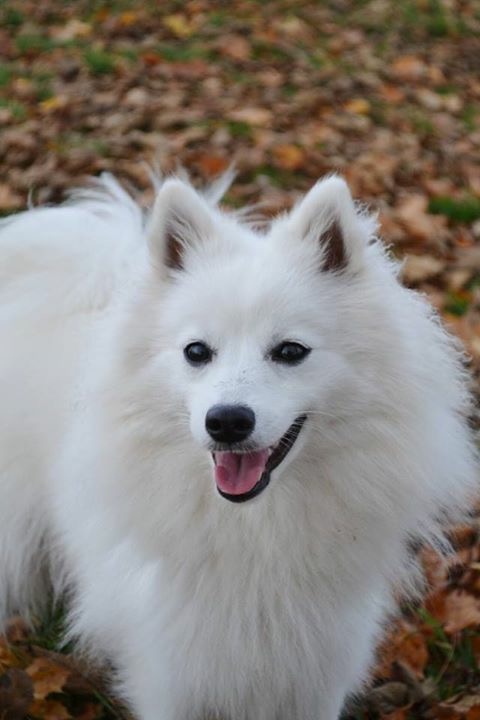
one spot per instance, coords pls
(229, 423)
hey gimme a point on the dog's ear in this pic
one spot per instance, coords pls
(180, 219)
(327, 217)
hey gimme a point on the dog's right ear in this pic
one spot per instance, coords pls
(180, 218)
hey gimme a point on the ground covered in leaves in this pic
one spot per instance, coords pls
(385, 92)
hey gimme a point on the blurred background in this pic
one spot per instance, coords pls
(386, 93)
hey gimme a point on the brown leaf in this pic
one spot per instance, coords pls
(74, 28)
(409, 67)
(435, 568)
(9, 200)
(47, 677)
(288, 157)
(91, 711)
(462, 610)
(235, 47)
(16, 694)
(49, 710)
(252, 115)
(392, 93)
(389, 697)
(405, 645)
(357, 106)
(422, 267)
(411, 212)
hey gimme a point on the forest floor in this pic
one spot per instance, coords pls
(388, 94)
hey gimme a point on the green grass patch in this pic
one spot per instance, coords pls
(378, 111)
(433, 18)
(99, 62)
(182, 52)
(436, 21)
(18, 110)
(466, 210)
(457, 303)
(469, 117)
(218, 19)
(33, 43)
(12, 18)
(474, 282)
(421, 122)
(452, 665)
(43, 86)
(269, 52)
(446, 89)
(129, 54)
(278, 177)
(240, 129)
(316, 59)
(6, 74)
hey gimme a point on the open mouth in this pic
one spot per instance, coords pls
(241, 476)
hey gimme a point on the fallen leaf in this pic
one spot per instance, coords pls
(288, 157)
(252, 115)
(49, 710)
(409, 67)
(74, 28)
(392, 93)
(128, 18)
(178, 25)
(461, 611)
(406, 645)
(422, 267)
(389, 697)
(90, 712)
(16, 694)
(411, 212)
(358, 106)
(213, 165)
(235, 47)
(56, 102)
(47, 677)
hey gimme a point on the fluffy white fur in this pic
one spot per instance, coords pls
(267, 610)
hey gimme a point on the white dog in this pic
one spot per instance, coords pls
(219, 442)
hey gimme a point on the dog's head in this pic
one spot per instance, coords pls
(257, 326)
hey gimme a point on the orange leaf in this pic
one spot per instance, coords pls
(128, 18)
(7, 658)
(212, 165)
(49, 710)
(357, 106)
(406, 645)
(288, 157)
(462, 610)
(47, 677)
(409, 67)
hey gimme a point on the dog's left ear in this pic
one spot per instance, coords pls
(327, 217)
(180, 219)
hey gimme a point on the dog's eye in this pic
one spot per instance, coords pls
(289, 353)
(198, 353)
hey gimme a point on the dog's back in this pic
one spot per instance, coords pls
(59, 269)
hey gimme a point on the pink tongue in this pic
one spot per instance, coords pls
(237, 473)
